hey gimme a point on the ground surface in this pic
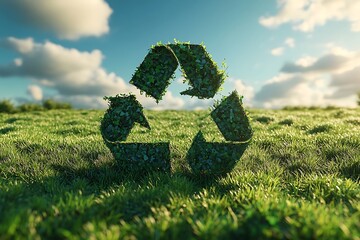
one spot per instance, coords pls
(299, 179)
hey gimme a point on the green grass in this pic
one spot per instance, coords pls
(299, 179)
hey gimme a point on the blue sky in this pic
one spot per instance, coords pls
(278, 53)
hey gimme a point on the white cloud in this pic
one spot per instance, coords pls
(20, 45)
(327, 63)
(76, 76)
(245, 90)
(35, 92)
(305, 61)
(290, 90)
(305, 15)
(68, 19)
(347, 83)
(69, 71)
(331, 79)
(290, 42)
(277, 51)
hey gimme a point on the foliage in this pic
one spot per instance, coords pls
(142, 157)
(153, 77)
(204, 158)
(59, 181)
(50, 104)
(213, 159)
(121, 116)
(115, 127)
(358, 101)
(218, 158)
(6, 106)
(156, 71)
(30, 107)
(309, 108)
(199, 70)
(230, 117)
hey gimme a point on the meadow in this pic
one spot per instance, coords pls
(298, 179)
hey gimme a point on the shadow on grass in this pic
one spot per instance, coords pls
(72, 197)
(16, 119)
(6, 130)
(351, 171)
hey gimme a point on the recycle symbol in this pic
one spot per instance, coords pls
(153, 76)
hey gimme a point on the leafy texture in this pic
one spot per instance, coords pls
(153, 77)
(213, 158)
(199, 70)
(116, 125)
(142, 157)
(121, 116)
(154, 74)
(219, 158)
(231, 119)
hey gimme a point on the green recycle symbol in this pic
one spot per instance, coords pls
(153, 76)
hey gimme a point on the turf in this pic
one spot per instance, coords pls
(298, 179)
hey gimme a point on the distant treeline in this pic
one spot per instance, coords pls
(304, 108)
(6, 106)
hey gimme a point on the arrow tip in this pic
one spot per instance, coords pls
(141, 119)
(119, 119)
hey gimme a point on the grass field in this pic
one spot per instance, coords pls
(299, 179)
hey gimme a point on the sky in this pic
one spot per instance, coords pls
(278, 52)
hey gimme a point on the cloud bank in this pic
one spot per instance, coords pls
(68, 19)
(331, 79)
(305, 15)
(78, 77)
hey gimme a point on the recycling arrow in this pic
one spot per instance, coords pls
(209, 158)
(154, 74)
(115, 127)
(215, 158)
(199, 70)
(232, 120)
(121, 116)
(153, 77)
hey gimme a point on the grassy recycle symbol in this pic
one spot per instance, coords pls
(153, 76)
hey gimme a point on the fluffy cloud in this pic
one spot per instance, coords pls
(19, 45)
(331, 79)
(245, 90)
(68, 19)
(69, 71)
(346, 83)
(35, 92)
(305, 15)
(290, 90)
(277, 51)
(290, 42)
(327, 63)
(76, 76)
